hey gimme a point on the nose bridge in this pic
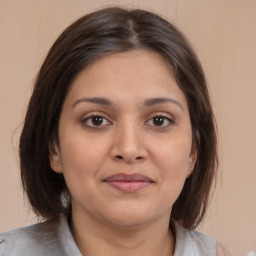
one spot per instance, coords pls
(128, 142)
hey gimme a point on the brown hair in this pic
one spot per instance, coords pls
(98, 34)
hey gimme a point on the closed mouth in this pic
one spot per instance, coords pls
(128, 183)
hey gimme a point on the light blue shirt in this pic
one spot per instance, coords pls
(55, 239)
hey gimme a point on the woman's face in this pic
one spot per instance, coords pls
(125, 140)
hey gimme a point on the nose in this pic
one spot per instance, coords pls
(129, 145)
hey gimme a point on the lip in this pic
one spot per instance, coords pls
(128, 183)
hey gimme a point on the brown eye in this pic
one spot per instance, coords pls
(160, 121)
(96, 121)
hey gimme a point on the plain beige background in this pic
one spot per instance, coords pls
(223, 33)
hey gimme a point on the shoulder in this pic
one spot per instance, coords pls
(221, 251)
(192, 242)
(38, 239)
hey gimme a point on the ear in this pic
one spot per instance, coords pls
(193, 154)
(192, 157)
(54, 157)
(192, 160)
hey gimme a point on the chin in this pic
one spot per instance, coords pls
(131, 217)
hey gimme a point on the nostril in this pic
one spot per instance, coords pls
(139, 158)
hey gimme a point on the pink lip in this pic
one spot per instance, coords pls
(128, 183)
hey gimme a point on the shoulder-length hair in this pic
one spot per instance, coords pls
(98, 34)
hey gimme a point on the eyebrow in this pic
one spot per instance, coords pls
(95, 100)
(155, 101)
(147, 102)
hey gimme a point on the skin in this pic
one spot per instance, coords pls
(133, 135)
(221, 251)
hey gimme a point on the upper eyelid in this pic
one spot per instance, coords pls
(161, 114)
(91, 116)
(96, 113)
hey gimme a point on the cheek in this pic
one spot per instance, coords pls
(173, 158)
(172, 162)
(81, 158)
(81, 164)
(172, 179)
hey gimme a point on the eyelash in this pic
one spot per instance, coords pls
(163, 118)
(89, 119)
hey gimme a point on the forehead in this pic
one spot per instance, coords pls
(138, 73)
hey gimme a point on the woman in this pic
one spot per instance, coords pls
(118, 149)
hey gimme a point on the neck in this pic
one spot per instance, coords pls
(96, 239)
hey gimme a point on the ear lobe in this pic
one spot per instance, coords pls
(54, 157)
(193, 153)
(193, 156)
(192, 160)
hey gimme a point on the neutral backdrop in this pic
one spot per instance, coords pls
(223, 33)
